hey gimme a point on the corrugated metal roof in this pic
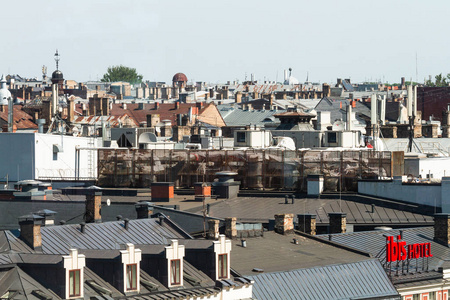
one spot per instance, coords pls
(374, 242)
(365, 279)
(99, 236)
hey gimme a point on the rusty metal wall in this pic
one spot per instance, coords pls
(257, 169)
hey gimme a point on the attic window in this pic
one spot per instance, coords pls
(223, 268)
(131, 277)
(175, 272)
(74, 283)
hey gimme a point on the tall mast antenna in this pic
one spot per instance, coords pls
(57, 58)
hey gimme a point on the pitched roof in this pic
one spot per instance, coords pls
(337, 112)
(21, 119)
(364, 279)
(374, 242)
(239, 117)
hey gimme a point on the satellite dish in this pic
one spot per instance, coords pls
(108, 202)
(338, 126)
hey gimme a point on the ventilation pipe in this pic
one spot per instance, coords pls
(10, 115)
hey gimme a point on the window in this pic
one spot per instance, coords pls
(175, 272)
(74, 283)
(240, 136)
(223, 266)
(416, 297)
(332, 137)
(131, 277)
(432, 296)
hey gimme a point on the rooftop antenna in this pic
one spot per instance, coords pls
(417, 72)
(290, 72)
(57, 58)
(307, 76)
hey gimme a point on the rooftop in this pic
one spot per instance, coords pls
(275, 252)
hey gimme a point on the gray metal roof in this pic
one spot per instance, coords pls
(374, 242)
(262, 209)
(336, 112)
(276, 252)
(364, 279)
(101, 236)
(238, 117)
(15, 280)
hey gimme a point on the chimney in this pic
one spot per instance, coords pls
(326, 90)
(403, 81)
(93, 205)
(307, 223)
(213, 229)
(202, 191)
(284, 223)
(126, 223)
(162, 191)
(30, 230)
(338, 222)
(71, 109)
(144, 210)
(442, 228)
(230, 228)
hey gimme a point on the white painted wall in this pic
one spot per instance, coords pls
(30, 156)
(433, 195)
(437, 166)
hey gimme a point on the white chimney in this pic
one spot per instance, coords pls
(349, 116)
(285, 75)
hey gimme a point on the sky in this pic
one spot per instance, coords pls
(218, 41)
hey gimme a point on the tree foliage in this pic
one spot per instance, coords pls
(439, 80)
(122, 73)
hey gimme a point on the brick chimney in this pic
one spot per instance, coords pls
(230, 228)
(338, 222)
(213, 229)
(144, 210)
(93, 205)
(442, 228)
(284, 223)
(162, 191)
(30, 230)
(307, 223)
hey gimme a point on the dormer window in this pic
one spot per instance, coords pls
(222, 249)
(175, 272)
(131, 258)
(131, 277)
(74, 266)
(174, 256)
(223, 266)
(74, 283)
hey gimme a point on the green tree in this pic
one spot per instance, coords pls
(439, 80)
(122, 73)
